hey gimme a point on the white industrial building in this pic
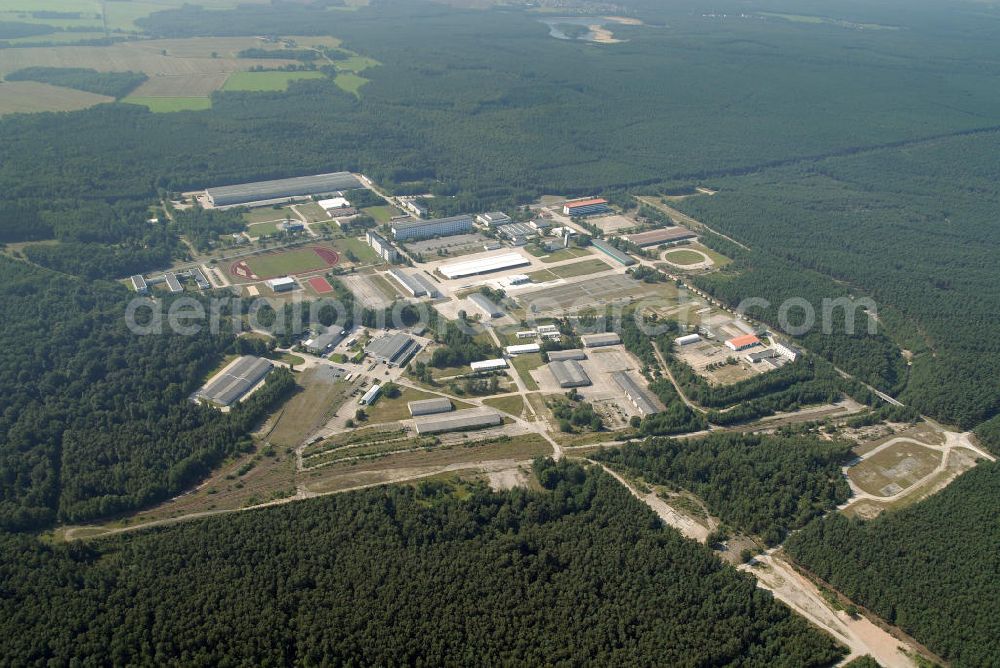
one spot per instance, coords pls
(283, 284)
(483, 265)
(334, 203)
(370, 396)
(523, 349)
(687, 339)
(517, 279)
(489, 365)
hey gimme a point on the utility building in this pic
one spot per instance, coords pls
(619, 256)
(493, 218)
(326, 341)
(687, 339)
(523, 349)
(473, 418)
(645, 403)
(489, 365)
(586, 207)
(486, 305)
(599, 340)
(430, 406)
(394, 349)
(139, 284)
(283, 284)
(743, 342)
(233, 382)
(281, 189)
(563, 355)
(655, 237)
(569, 373)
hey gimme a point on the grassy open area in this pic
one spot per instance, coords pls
(312, 212)
(358, 248)
(263, 81)
(512, 403)
(165, 105)
(350, 82)
(683, 257)
(719, 259)
(265, 215)
(525, 363)
(393, 410)
(381, 214)
(317, 402)
(261, 229)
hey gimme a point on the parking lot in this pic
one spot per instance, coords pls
(459, 244)
(366, 292)
(581, 295)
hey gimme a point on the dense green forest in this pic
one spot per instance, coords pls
(931, 569)
(915, 229)
(95, 419)
(112, 84)
(762, 485)
(581, 573)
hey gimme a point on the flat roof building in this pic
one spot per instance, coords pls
(413, 287)
(586, 207)
(283, 284)
(788, 351)
(173, 284)
(486, 305)
(643, 401)
(489, 365)
(662, 236)
(517, 279)
(472, 418)
(200, 280)
(759, 355)
(563, 355)
(278, 189)
(743, 342)
(437, 227)
(493, 218)
(516, 231)
(523, 349)
(233, 382)
(483, 265)
(569, 373)
(615, 254)
(326, 341)
(381, 245)
(430, 406)
(598, 340)
(393, 349)
(334, 203)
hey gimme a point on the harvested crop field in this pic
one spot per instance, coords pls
(31, 96)
(181, 85)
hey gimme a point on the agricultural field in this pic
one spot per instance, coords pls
(181, 85)
(166, 105)
(17, 97)
(265, 81)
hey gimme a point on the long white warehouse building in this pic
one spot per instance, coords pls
(483, 265)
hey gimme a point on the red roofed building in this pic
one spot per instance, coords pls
(743, 342)
(586, 207)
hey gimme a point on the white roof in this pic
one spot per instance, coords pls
(483, 265)
(334, 203)
(284, 280)
(523, 348)
(489, 364)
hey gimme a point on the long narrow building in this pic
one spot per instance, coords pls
(643, 401)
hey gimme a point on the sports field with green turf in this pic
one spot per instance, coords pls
(283, 263)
